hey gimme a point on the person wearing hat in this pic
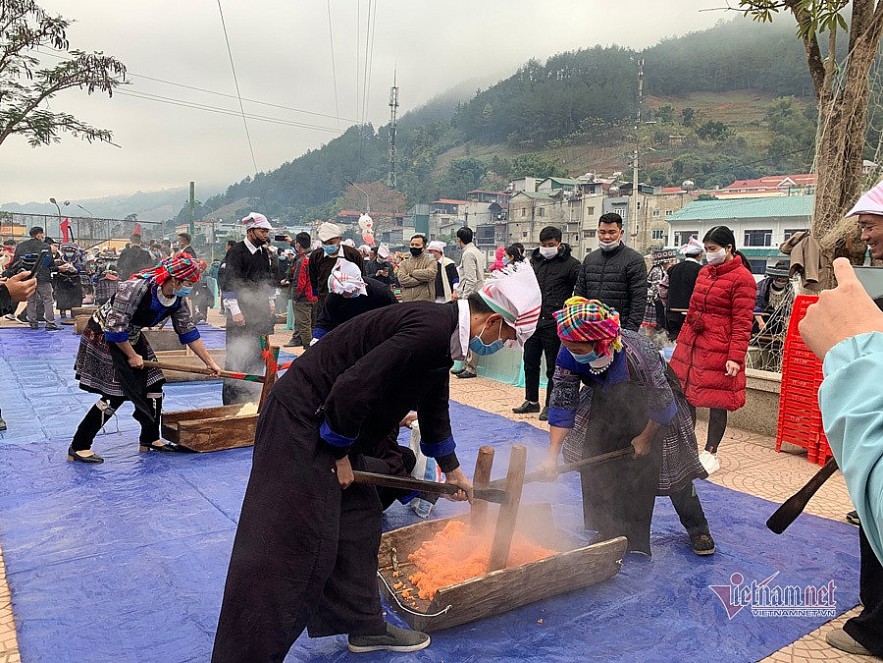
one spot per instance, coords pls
(613, 389)
(378, 267)
(250, 301)
(110, 358)
(26, 253)
(677, 287)
(323, 259)
(305, 552)
(350, 295)
(446, 277)
(772, 306)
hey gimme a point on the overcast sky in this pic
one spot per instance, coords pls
(282, 54)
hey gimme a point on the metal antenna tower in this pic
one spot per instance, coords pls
(393, 112)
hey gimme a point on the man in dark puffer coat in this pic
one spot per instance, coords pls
(615, 274)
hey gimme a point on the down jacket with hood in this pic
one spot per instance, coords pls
(717, 330)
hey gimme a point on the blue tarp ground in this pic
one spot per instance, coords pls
(126, 561)
(37, 366)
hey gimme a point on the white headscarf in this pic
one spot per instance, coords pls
(514, 293)
(346, 279)
(256, 220)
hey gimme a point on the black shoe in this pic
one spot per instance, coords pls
(466, 374)
(702, 544)
(75, 456)
(395, 639)
(168, 447)
(544, 415)
(51, 326)
(34, 325)
(852, 517)
(22, 317)
(2, 424)
(526, 407)
(293, 343)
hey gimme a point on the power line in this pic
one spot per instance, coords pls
(136, 94)
(239, 97)
(333, 65)
(294, 109)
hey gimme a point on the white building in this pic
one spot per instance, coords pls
(759, 224)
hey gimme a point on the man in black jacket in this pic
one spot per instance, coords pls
(681, 281)
(249, 300)
(43, 295)
(556, 272)
(133, 259)
(322, 260)
(615, 274)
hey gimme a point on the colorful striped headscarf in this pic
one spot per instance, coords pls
(589, 320)
(180, 267)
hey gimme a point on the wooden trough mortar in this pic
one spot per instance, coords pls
(575, 567)
(223, 427)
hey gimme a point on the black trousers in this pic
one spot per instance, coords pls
(305, 552)
(689, 510)
(717, 426)
(867, 628)
(101, 412)
(674, 320)
(543, 341)
(243, 356)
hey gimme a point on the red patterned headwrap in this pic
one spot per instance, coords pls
(588, 320)
(183, 268)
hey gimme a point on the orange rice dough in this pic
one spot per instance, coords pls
(453, 556)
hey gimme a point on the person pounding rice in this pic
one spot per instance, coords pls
(628, 396)
(305, 552)
(110, 358)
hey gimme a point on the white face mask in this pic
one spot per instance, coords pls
(548, 252)
(716, 257)
(609, 246)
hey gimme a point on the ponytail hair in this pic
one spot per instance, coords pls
(723, 236)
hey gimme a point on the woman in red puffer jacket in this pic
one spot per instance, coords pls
(710, 355)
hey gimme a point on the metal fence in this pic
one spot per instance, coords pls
(88, 231)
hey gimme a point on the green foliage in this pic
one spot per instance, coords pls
(822, 15)
(714, 130)
(688, 115)
(26, 87)
(665, 114)
(543, 102)
(533, 165)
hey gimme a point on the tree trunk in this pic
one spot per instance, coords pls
(839, 156)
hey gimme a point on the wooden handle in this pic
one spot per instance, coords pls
(794, 505)
(409, 483)
(572, 467)
(202, 370)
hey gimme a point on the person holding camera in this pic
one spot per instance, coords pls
(26, 256)
(15, 289)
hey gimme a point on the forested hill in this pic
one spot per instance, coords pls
(583, 101)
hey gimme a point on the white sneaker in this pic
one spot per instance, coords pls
(709, 462)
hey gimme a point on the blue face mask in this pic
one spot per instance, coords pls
(584, 359)
(483, 349)
(330, 249)
(183, 291)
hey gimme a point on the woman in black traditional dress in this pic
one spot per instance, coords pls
(613, 389)
(68, 286)
(110, 360)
